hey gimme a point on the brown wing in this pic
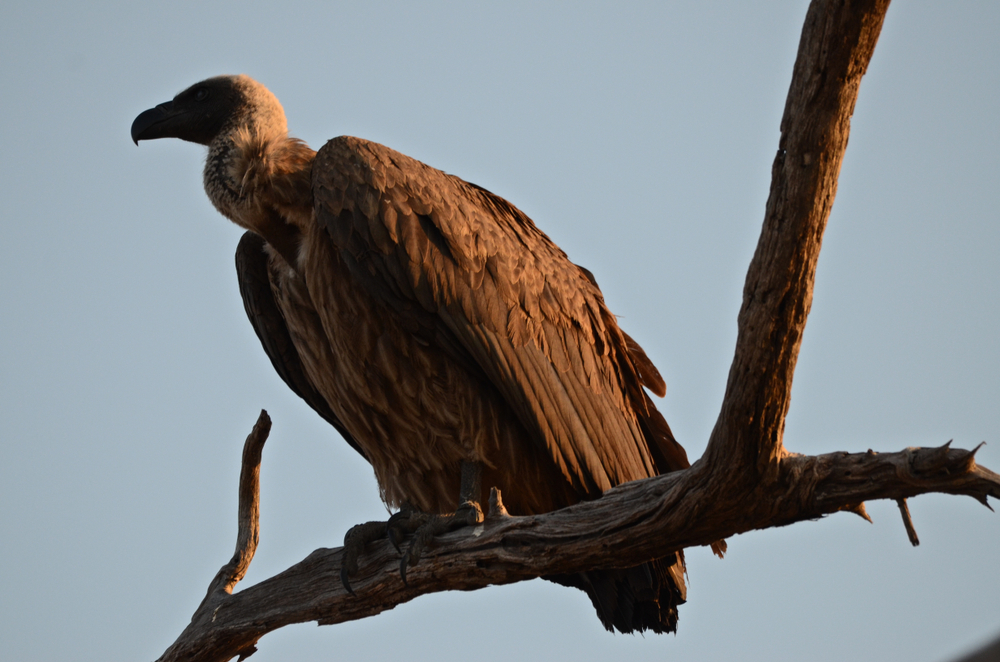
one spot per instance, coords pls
(532, 321)
(268, 323)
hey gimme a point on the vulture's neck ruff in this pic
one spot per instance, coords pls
(255, 175)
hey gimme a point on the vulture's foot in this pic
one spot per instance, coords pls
(354, 545)
(425, 527)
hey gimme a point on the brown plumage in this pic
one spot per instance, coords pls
(432, 323)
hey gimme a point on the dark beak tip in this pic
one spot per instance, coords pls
(137, 129)
(144, 123)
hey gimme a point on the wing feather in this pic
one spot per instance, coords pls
(268, 323)
(504, 295)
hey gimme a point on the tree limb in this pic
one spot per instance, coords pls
(630, 524)
(838, 39)
(745, 481)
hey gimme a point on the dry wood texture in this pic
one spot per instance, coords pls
(746, 479)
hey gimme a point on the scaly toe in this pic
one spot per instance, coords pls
(468, 514)
(354, 545)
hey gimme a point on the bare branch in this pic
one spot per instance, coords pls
(838, 39)
(630, 524)
(247, 536)
(911, 532)
(249, 509)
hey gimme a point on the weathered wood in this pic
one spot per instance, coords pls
(838, 39)
(630, 524)
(247, 537)
(911, 531)
(745, 481)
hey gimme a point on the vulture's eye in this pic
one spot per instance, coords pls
(201, 94)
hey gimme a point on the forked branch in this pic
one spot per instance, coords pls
(630, 524)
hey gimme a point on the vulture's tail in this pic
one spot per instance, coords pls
(634, 599)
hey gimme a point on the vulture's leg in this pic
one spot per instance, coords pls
(425, 526)
(410, 521)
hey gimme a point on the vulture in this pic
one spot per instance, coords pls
(429, 321)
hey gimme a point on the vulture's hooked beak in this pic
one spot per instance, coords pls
(158, 122)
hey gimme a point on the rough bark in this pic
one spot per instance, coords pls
(837, 43)
(746, 480)
(630, 524)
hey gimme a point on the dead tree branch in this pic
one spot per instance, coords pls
(746, 479)
(837, 43)
(630, 524)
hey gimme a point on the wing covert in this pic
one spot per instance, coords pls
(504, 294)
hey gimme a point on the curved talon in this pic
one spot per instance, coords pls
(432, 526)
(396, 526)
(354, 545)
(405, 561)
(426, 526)
(345, 580)
(394, 538)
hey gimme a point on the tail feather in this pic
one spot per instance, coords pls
(636, 599)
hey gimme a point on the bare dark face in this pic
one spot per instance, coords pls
(197, 114)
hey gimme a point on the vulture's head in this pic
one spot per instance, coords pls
(212, 108)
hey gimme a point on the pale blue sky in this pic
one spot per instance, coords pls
(640, 138)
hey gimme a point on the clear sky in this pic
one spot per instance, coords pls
(640, 138)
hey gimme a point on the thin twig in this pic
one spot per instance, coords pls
(904, 510)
